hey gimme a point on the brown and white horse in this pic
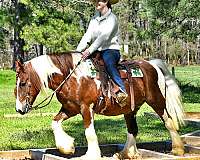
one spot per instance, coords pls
(80, 93)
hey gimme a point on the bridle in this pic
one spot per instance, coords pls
(27, 98)
(29, 107)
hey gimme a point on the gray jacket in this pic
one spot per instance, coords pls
(102, 33)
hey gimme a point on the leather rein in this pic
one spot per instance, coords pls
(38, 106)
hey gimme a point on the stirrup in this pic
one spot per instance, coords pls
(121, 98)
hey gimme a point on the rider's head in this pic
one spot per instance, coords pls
(100, 3)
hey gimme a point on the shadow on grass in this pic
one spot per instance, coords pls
(190, 93)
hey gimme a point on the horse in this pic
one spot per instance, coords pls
(80, 92)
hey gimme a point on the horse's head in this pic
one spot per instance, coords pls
(25, 90)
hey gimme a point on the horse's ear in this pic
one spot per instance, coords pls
(19, 66)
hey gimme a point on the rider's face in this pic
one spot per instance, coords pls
(100, 5)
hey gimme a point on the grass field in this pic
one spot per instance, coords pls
(35, 131)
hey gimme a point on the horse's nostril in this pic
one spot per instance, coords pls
(19, 111)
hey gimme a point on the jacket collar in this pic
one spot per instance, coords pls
(100, 18)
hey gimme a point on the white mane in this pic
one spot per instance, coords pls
(44, 67)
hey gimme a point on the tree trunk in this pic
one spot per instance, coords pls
(198, 51)
(188, 54)
(41, 49)
(165, 50)
(158, 47)
(18, 42)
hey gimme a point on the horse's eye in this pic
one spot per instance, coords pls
(22, 84)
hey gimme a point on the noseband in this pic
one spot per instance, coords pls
(27, 98)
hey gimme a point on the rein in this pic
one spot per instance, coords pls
(51, 96)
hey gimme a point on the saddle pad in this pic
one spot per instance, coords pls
(92, 72)
(136, 72)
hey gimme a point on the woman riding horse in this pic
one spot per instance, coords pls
(80, 94)
(103, 33)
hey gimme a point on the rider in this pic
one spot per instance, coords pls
(102, 33)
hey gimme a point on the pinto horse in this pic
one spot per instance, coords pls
(80, 92)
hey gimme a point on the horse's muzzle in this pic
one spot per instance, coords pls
(19, 111)
(25, 110)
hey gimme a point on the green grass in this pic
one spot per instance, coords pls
(189, 80)
(36, 132)
(188, 75)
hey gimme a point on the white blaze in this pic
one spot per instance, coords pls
(18, 103)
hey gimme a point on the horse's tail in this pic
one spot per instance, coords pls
(170, 91)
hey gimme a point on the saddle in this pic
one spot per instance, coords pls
(108, 87)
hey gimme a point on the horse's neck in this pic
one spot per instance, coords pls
(44, 67)
(76, 57)
(33, 76)
(84, 68)
(53, 69)
(62, 65)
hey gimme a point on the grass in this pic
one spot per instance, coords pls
(189, 80)
(36, 132)
(188, 75)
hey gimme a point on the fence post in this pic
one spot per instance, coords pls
(173, 71)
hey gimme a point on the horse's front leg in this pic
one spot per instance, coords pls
(64, 142)
(93, 151)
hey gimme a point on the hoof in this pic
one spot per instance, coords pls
(123, 155)
(69, 150)
(178, 152)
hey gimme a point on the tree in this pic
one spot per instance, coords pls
(53, 24)
(4, 20)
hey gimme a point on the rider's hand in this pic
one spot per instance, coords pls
(85, 54)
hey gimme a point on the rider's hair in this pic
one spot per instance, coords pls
(108, 4)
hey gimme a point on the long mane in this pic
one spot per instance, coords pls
(41, 68)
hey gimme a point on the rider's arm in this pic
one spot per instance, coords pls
(86, 38)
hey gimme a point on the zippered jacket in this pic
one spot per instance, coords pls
(102, 33)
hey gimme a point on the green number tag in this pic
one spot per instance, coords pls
(136, 72)
(93, 72)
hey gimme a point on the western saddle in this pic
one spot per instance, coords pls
(108, 87)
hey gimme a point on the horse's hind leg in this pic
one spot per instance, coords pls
(177, 144)
(130, 150)
(64, 142)
(158, 103)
